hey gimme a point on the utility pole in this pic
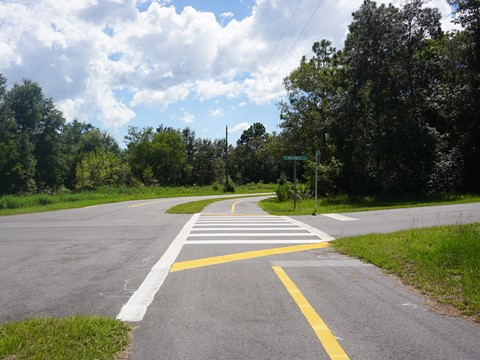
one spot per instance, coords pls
(226, 158)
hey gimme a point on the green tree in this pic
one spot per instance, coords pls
(245, 157)
(310, 89)
(465, 88)
(98, 168)
(139, 150)
(380, 130)
(168, 158)
(204, 169)
(80, 139)
(163, 151)
(188, 136)
(32, 122)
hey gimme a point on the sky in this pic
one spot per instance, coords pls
(205, 64)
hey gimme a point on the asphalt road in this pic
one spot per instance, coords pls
(240, 306)
(87, 260)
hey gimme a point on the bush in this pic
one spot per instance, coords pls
(230, 185)
(217, 186)
(284, 191)
(9, 202)
(43, 200)
(303, 192)
(329, 176)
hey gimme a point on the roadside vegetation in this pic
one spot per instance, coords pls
(77, 337)
(442, 262)
(66, 199)
(345, 203)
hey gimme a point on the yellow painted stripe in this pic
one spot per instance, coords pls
(330, 344)
(147, 203)
(232, 209)
(192, 264)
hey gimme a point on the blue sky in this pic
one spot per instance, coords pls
(205, 64)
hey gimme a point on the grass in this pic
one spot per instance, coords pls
(442, 262)
(343, 204)
(78, 337)
(12, 205)
(194, 207)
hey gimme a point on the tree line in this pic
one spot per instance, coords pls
(41, 152)
(396, 111)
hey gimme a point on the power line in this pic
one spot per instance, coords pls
(298, 38)
(291, 48)
(274, 49)
(283, 33)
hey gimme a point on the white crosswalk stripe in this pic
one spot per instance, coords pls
(211, 229)
(340, 217)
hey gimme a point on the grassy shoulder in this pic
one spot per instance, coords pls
(442, 262)
(194, 207)
(344, 204)
(13, 205)
(77, 337)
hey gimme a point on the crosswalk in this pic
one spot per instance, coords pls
(252, 229)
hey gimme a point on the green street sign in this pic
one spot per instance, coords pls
(298, 158)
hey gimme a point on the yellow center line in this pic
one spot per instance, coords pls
(192, 264)
(330, 344)
(232, 209)
(147, 203)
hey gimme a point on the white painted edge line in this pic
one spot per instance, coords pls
(340, 217)
(253, 242)
(322, 235)
(136, 307)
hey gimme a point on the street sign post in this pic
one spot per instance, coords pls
(317, 161)
(295, 158)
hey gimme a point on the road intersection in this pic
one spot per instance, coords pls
(240, 284)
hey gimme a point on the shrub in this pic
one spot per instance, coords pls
(303, 192)
(230, 185)
(284, 191)
(217, 186)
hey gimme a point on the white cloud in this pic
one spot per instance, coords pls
(161, 99)
(216, 112)
(71, 108)
(239, 127)
(208, 89)
(82, 52)
(114, 113)
(188, 118)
